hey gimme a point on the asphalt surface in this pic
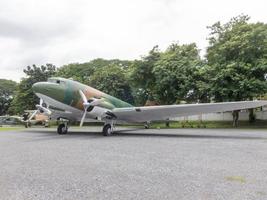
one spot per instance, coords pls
(134, 164)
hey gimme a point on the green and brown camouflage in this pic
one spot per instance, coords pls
(67, 91)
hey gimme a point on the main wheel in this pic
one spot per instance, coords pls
(62, 129)
(107, 131)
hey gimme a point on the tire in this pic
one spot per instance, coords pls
(27, 124)
(107, 130)
(62, 129)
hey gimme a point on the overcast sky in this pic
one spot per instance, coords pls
(66, 31)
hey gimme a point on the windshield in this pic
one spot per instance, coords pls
(51, 80)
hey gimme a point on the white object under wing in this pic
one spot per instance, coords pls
(153, 113)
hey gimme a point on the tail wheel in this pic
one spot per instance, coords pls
(62, 129)
(147, 126)
(107, 130)
(27, 124)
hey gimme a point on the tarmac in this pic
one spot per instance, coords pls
(38, 163)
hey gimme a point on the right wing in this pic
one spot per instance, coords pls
(154, 113)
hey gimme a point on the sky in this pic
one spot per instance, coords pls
(72, 31)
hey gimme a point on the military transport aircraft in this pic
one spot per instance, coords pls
(66, 100)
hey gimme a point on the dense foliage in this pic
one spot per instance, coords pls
(24, 98)
(83, 71)
(175, 73)
(112, 80)
(7, 88)
(142, 78)
(238, 56)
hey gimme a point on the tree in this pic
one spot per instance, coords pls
(175, 73)
(7, 88)
(200, 85)
(82, 72)
(237, 54)
(142, 78)
(24, 97)
(112, 80)
(76, 71)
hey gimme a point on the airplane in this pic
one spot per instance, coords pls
(66, 100)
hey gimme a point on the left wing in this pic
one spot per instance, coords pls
(153, 113)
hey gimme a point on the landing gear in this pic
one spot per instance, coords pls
(62, 128)
(108, 129)
(27, 124)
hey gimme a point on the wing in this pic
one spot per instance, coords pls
(153, 113)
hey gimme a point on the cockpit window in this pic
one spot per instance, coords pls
(51, 80)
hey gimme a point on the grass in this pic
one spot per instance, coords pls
(239, 179)
(258, 124)
(261, 193)
(9, 128)
(210, 124)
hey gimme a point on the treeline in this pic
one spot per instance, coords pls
(233, 69)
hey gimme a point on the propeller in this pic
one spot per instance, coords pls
(33, 114)
(40, 108)
(45, 110)
(87, 103)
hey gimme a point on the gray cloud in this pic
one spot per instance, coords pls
(32, 32)
(64, 31)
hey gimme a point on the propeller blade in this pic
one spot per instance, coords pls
(83, 97)
(41, 102)
(33, 114)
(47, 111)
(85, 105)
(83, 117)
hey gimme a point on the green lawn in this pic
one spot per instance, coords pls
(9, 128)
(258, 124)
(211, 124)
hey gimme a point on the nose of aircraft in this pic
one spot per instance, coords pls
(38, 87)
(52, 90)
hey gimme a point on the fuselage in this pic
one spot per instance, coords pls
(63, 94)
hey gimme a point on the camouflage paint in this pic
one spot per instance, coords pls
(67, 92)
